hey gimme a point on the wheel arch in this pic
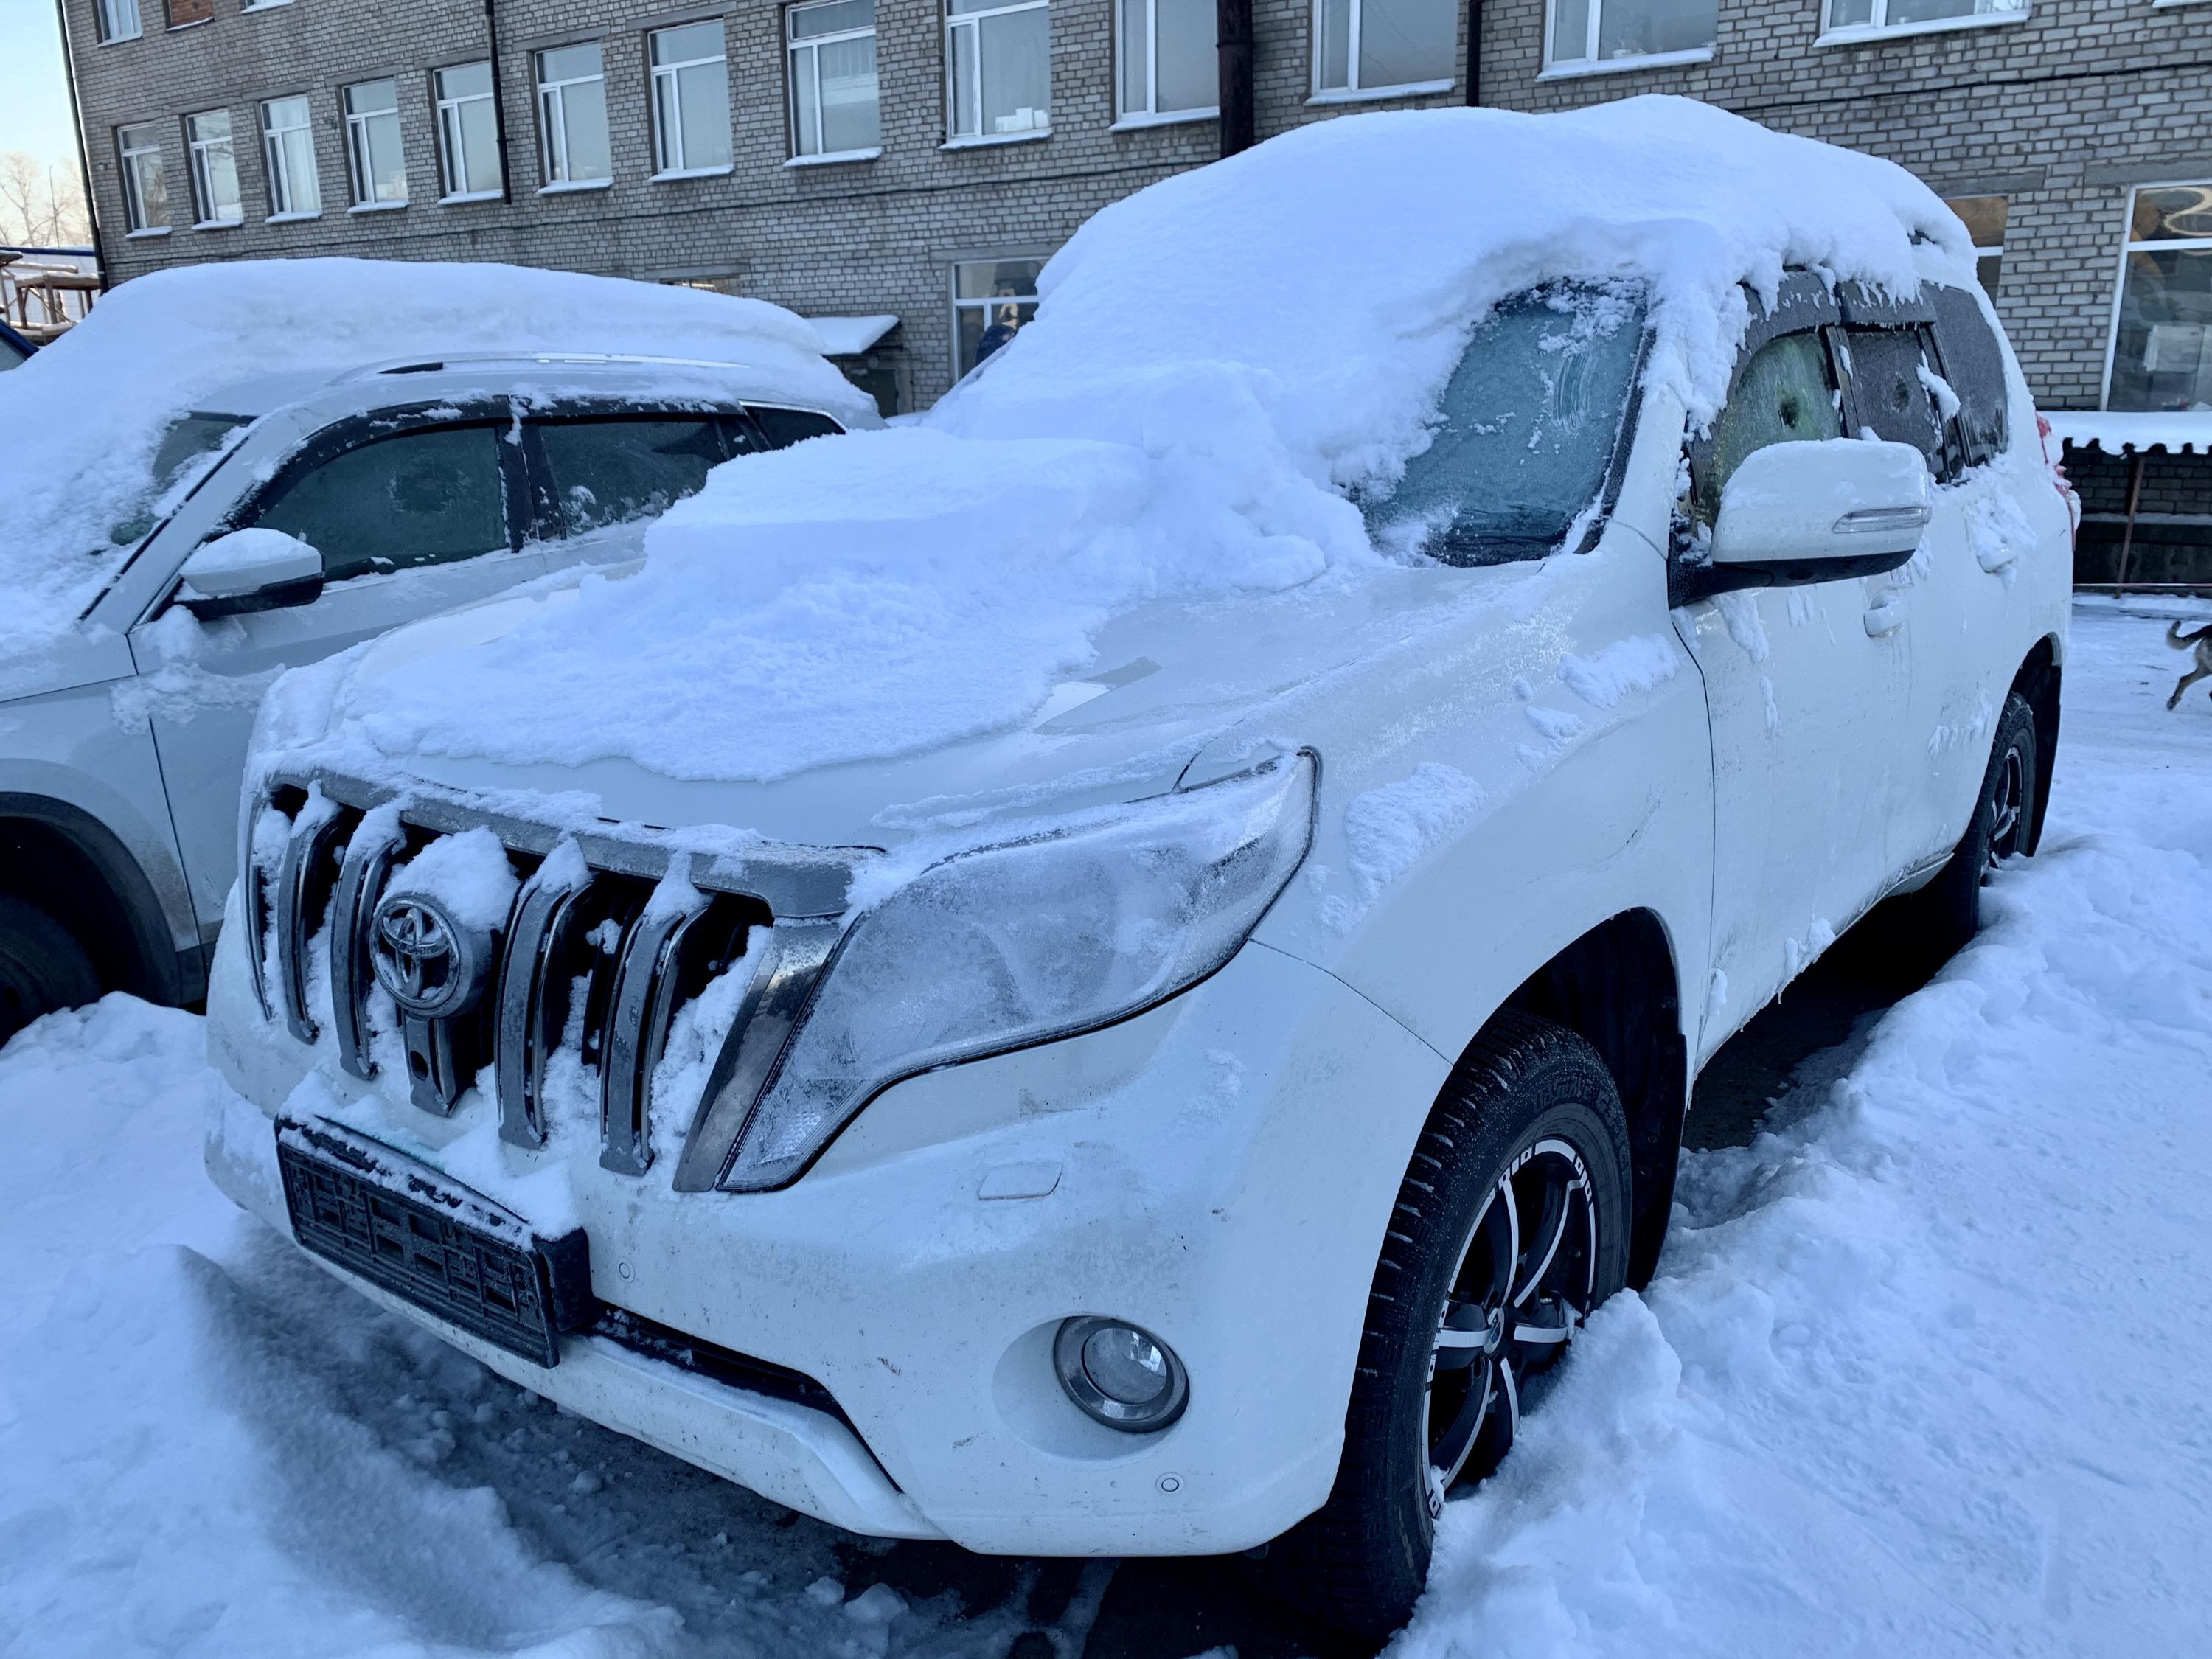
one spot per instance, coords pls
(1617, 986)
(2037, 682)
(76, 869)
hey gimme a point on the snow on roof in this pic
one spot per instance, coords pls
(84, 416)
(2180, 433)
(1214, 360)
(848, 336)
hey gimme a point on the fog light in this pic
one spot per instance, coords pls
(1119, 1374)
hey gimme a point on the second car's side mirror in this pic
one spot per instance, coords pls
(250, 570)
(1797, 513)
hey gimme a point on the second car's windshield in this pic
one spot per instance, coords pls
(1529, 422)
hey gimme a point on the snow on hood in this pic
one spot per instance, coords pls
(85, 417)
(1214, 361)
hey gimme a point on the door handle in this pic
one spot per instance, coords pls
(1884, 619)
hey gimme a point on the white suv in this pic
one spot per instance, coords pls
(400, 490)
(1196, 1113)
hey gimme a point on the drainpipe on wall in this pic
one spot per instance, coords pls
(498, 97)
(83, 144)
(1474, 54)
(1233, 37)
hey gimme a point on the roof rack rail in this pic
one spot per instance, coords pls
(580, 359)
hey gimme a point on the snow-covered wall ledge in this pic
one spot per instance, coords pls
(2182, 433)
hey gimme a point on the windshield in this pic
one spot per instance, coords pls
(1526, 430)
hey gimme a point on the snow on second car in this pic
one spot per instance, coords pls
(1920, 1373)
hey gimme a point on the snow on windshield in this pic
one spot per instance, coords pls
(104, 424)
(1216, 364)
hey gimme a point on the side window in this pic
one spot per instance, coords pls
(428, 497)
(611, 472)
(1784, 394)
(783, 428)
(1890, 395)
(1973, 363)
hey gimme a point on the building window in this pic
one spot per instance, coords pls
(184, 12)
(215, 170)
(1867, 15)
(993, 300)
(1374, 45)
(2162, 333)
(833, 78)
(373, 150)
(998, 58)
(1985, 219)
(1167, 63)
(1601, 31)
(118, 20)
(288, 134)
(691, 99)
(572, 115)
(468, 133)
(145, 199)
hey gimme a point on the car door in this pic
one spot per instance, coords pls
(413, 511)
(1805, 690)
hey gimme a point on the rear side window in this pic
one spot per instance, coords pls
(1784, 394)
(1973, 363)
(783, 428)
(428, 497)
(615, 471)
(1890, 395)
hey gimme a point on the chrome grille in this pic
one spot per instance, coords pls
(596, 954)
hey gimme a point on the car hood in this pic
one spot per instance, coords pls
(1170, 683)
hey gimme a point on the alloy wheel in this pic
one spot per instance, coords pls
(2008, 808)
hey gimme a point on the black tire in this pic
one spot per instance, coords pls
(1948, 912)
(42, 966)
(1523, 1088)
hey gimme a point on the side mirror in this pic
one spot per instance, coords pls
(250, 570)
(1797, 513)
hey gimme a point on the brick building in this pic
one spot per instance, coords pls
(869, 161)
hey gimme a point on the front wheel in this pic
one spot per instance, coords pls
(1511, 1226)
(42, 966)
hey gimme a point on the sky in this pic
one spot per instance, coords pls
(34, 108)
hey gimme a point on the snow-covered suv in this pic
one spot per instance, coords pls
(1117, 971)
(266, 518)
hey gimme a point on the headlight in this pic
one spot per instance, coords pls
(1017, 943)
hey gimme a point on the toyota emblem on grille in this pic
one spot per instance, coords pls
(433, 968)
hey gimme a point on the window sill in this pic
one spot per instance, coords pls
(265, 5)
(217, 224)
(832, 158)
(292, 218)
(462, 197)
(146, 235)
(1650, 60)
(120, 40)
(985, 140)
(1862, 35)
(573, 186)
(1372, 94)
(2168, 5)
(376, 207)
(677, 175)
(1173, 117)
(196, 24)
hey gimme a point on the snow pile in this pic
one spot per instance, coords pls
(85, 417)
(1216, 361)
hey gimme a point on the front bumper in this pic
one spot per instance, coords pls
(1218, 1170)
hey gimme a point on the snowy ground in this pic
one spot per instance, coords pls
(1922, 1371)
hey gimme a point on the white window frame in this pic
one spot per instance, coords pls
(134, 200)
(357, 141)
(668, 137)
(283, 188)
(973, 22)
(1351, 91)
(2130, 245)
(452, 143)
(553, 121)
(120, 21)
(1556, 68)
(1878, 26)
(792, 49)
(198, 149)
(1150, 115)
(984, 303)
